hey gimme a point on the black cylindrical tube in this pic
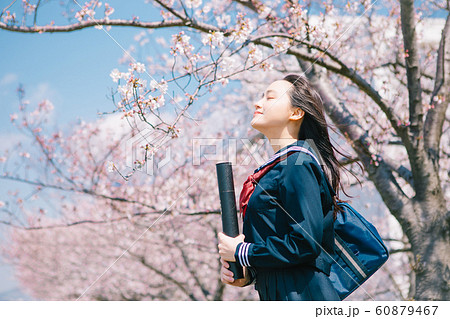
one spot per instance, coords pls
(228, 207)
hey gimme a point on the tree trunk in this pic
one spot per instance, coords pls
(430, 248)
(424, 218)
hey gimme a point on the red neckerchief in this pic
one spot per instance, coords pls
(252, 180)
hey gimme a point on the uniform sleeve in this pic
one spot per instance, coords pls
(301, 201)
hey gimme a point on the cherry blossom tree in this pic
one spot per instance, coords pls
(154, 237)
(150, 240)
(381, 78)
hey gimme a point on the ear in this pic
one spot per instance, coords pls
(297, 114)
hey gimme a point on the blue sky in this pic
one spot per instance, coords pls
(70, 69)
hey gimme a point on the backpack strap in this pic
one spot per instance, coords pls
(289, 149)
(322, 262)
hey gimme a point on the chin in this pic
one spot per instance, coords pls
(256, 121)
(257, 126)
(253, 124)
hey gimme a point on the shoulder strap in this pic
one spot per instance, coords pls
(286, 151)
(297, 149)
(320, 262)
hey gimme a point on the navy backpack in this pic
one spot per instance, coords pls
(358, 249)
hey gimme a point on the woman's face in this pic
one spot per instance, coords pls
(274, 110)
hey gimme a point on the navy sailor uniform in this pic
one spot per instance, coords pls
(285, 230)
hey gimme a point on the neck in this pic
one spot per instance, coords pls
(279, 143)
(279, 138)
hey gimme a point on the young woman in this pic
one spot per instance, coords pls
(286, 239)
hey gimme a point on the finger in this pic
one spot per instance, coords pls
(226, 278)
(229, 279)
(223, 261)
(227, 272)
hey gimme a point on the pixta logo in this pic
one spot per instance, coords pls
(141, 149)
(217, 149)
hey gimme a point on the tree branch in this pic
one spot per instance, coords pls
(166, 276)
(412, 66)
(81, 191)
(425, 173)
(339, 67)
(380, 174)
(93, 23)
(440, 98)
(194, 275)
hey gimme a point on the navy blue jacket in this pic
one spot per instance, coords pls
(285, 230)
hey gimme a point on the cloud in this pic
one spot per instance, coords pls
(10, 140)
(8, 79)
(42, 91)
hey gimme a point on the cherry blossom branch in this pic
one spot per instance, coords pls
(190, 268)
(440, 6)
(6, 8)
(402, 171)
(378, 171)
(248, 4)
(94, 23)
(394, 282)
(173, 11)
(35, 12)
(166, 276)
(400, 250)
(108, 221)
(426, 184)
(440, 97)
(220, 285)
(339, 68)
(342, 69)
(74, 190)
(424, 90)
(412, 68)
(402, 65)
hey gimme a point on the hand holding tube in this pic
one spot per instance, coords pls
(227, 246)
(229, 213)
(226, 275)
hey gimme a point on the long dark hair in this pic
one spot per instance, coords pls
(315, 127)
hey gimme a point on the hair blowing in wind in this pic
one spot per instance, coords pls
(315, 127)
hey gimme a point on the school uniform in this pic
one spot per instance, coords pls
(285, 228)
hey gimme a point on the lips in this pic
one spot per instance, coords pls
(256, 112)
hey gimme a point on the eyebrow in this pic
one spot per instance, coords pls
(268, 92)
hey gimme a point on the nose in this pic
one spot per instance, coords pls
(258, 105)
